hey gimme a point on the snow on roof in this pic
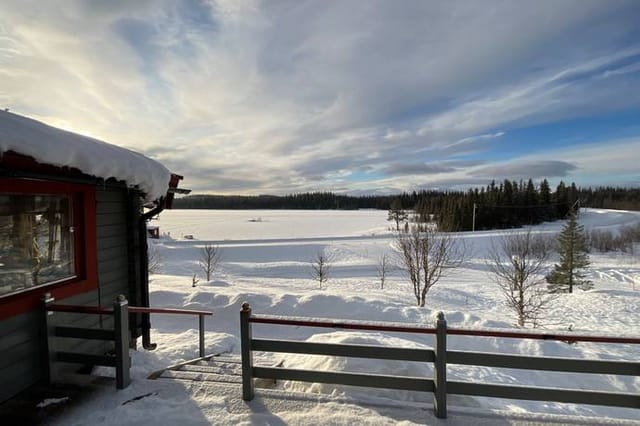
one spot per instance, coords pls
(49, 145)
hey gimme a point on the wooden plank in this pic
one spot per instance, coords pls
(111, 253)
(358, 351)
(84, 333)
(110, 219)
(111, 208)
(18, 322)
(19, 376)
(105, 231)
(110, 242)
(545, 394)
(191, 312)
(544, 363)
(78, 358)
(345, 325)
(85, 346)
(234, 371)
(112, 264)
(26, 350)
(115, 276)
(201, 377)
(226, 359)
(109, 291)
(87, 298)
(352, 379)
(562, 336)
(30, 332)
(110, 196)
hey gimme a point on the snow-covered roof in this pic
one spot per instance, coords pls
(57, 147)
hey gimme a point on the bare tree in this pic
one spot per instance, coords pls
(426, 255)
(517, 262)
(383, 268)
(209, 259)
(320, 267)
(194, 280)
(154, 259)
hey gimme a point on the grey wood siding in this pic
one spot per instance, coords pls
(113, 250)
(19, 344)
(20, 340)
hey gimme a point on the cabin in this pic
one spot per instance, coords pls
(73, 227)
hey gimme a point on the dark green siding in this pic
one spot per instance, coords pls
(20, 342)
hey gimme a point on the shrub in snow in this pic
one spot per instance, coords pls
(320, 267)
(209, 259)
(426, 255)
(517, 263)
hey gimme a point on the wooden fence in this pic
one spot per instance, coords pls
(439, 356)
(120, 335)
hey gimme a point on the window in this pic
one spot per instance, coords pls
(36, 241)
(47, 241)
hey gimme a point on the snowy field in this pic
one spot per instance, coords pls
(266, 261)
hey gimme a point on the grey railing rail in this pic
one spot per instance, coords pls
(439, 356)
(119, 334)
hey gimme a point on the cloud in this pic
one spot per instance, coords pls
(417, 168)
(525, 170)
(253, 97)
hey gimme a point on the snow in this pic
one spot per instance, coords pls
(49, 145)
(52, 401)
(267, 263)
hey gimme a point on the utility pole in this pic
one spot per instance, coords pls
(473, 226)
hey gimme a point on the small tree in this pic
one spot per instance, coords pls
(383, 268)
(426, 255)
(517, 262)
(320, 267)
(396, 213)
(154, 259)
(574, 258)
(209, 259)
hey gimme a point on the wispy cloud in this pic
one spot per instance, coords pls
(252, 96)
(523, 170)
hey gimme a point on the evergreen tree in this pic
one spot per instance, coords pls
(574, 258)
(396, 213)
(546, 212)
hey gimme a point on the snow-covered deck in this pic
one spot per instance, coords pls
(165, 402)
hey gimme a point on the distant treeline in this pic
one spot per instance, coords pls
(306, 201)
(505, 204)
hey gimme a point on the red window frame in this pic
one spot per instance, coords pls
(85, 244)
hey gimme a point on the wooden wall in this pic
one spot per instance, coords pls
(20, 340)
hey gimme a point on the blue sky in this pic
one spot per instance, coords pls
(258, 97)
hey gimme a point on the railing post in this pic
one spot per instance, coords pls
(440, 368)
(121, 331)
(246, 352)
(47, 350)
(201, 327)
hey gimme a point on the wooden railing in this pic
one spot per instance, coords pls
(119, 334)
(439, 356)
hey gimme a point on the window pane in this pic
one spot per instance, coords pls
(36, 241)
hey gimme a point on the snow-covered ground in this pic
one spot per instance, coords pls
(266, 261)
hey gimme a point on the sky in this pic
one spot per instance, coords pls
(351, 96)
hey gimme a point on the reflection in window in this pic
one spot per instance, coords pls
(36, 241)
